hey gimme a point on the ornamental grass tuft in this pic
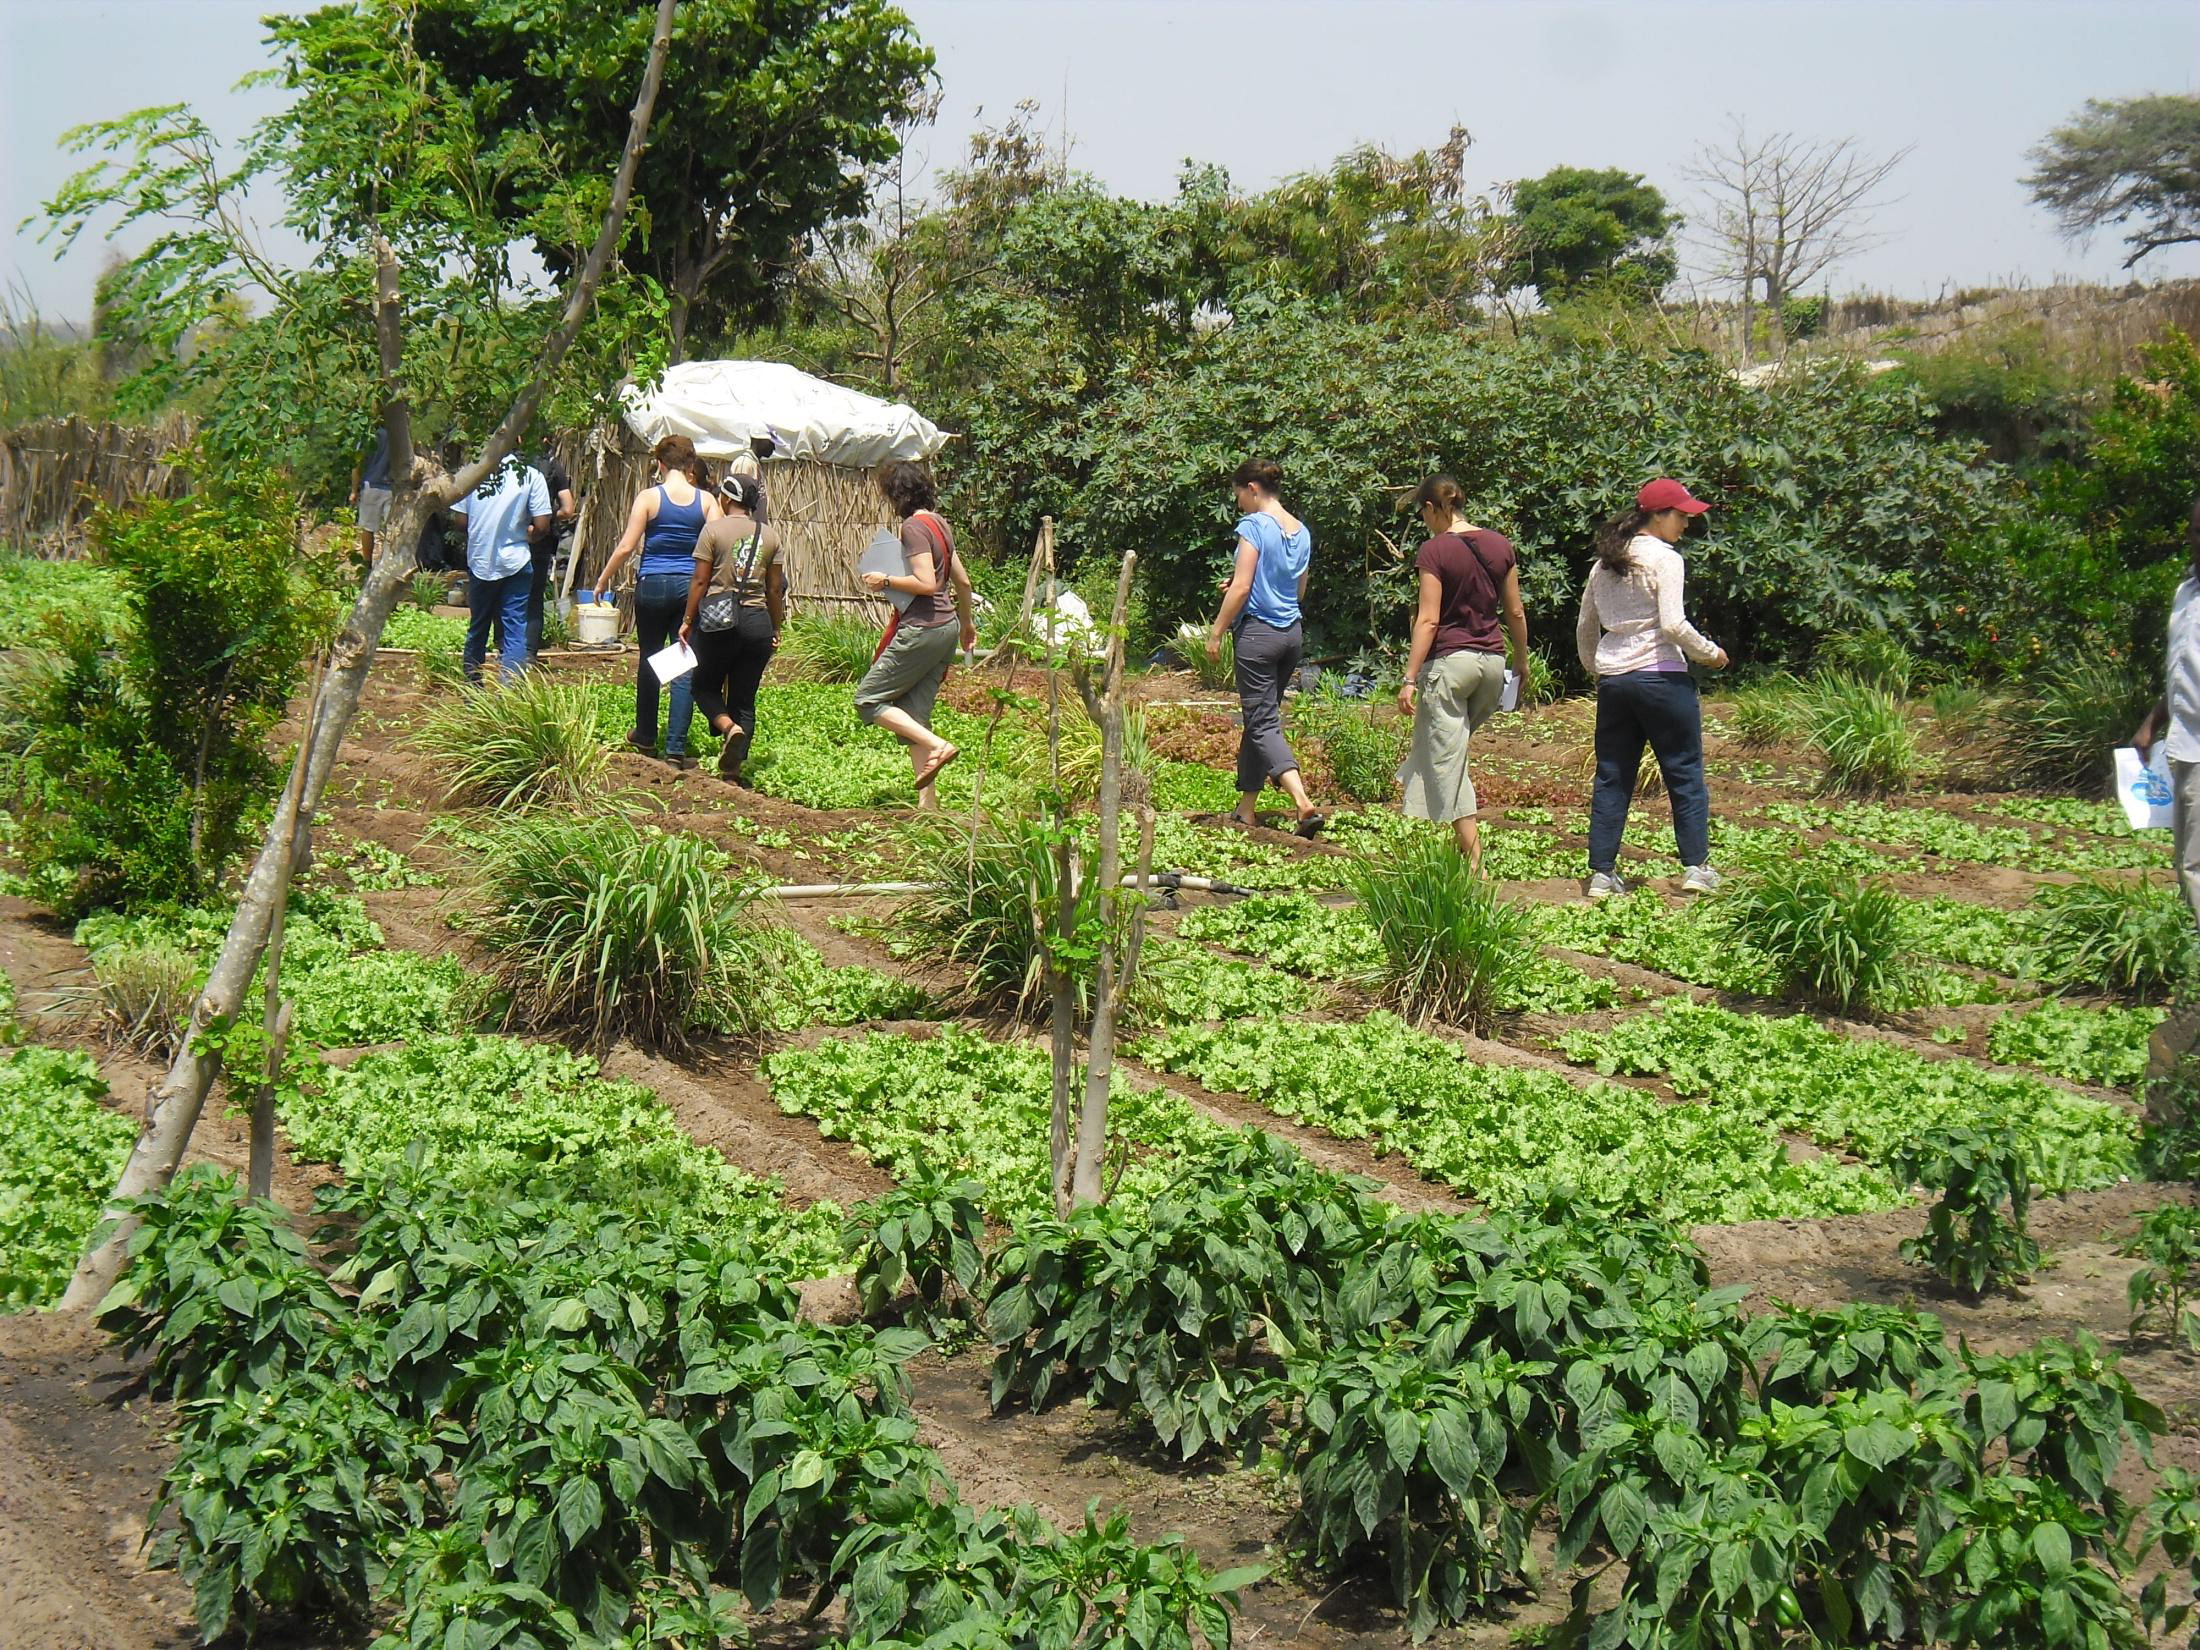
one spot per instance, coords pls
(601, 927)
(140, 997)
(2059, 732)
(530, 743)
(995, 906)
(1452, 947)
(1862, 733)
(1768, 710)
(1833, 938)
(827, 647)
(2134, 939)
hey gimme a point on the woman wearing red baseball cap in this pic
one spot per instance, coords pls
(1634, 637)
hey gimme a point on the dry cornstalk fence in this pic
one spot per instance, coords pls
(54, 473)
(825, 514)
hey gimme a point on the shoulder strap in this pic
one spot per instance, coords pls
(748, 554)
(932, 524)
(1472, 540)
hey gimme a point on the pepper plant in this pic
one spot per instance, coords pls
(1969, 1243)
(2168, 1239)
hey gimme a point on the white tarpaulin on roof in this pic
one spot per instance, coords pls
(722, 405)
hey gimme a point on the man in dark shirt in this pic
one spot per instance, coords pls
(545, 554)
(370, 492)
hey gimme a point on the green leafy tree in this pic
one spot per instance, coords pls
(1377, 235)
(376, 149)
(2132, 161)
(1578, 227)
(377, 162)
(1547, 440)
(780, 106)
(151, 760)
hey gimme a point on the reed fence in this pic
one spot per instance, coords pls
(54, 473)
(825, 514)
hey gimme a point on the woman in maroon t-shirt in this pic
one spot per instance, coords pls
(1469, 609)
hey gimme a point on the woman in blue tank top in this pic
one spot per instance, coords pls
(1260, 607)
(664, 524)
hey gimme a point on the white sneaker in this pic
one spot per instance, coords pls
(1604, 884)
(1700, 879)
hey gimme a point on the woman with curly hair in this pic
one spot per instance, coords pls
(898, 691)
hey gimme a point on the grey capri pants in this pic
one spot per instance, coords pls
(908, 674)
(1267, 659)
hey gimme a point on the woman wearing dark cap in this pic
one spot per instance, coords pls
(736, 603)
(904, 679)
(1469, 609)
(1634, 637)
(1260, 607)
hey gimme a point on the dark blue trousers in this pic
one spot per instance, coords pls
(1660, 708)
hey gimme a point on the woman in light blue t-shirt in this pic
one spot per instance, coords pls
(1260, 606)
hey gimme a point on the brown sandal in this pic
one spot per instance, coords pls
(940, 758)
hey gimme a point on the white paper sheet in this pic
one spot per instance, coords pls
(2144, 789)
(1508, 697)
(671, 663)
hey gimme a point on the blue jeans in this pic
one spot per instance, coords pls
(1662, 707)
(503, 603)
(660, 603)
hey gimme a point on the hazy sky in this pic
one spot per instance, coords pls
(1271, 87)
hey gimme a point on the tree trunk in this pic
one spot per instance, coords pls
(172, 1109)
(275, 1015)
(677, 309)
(260, 1178)
(1108, 986)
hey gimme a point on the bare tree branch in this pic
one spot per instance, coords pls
(1779, 210)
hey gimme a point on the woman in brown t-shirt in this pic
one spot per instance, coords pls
(904, 679)
(736, 603)
(1468, 611)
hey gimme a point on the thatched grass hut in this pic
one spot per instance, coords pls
(826, 442)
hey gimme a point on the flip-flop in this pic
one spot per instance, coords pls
(729, 760)
(1310, 827)
(940, 758)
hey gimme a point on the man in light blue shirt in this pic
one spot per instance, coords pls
(503, 515)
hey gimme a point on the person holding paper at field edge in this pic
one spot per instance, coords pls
(1469, 579)
(1260, 608)
(897, 692)
(1634, 637)
(735, 607)
(665, 521)
(2175, 717)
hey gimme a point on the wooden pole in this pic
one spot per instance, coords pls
(1063, 984)
(1106, 707)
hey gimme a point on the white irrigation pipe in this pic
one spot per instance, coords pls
(1165, 880)
(848, 890)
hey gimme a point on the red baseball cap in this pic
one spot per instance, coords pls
(1665, 494)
